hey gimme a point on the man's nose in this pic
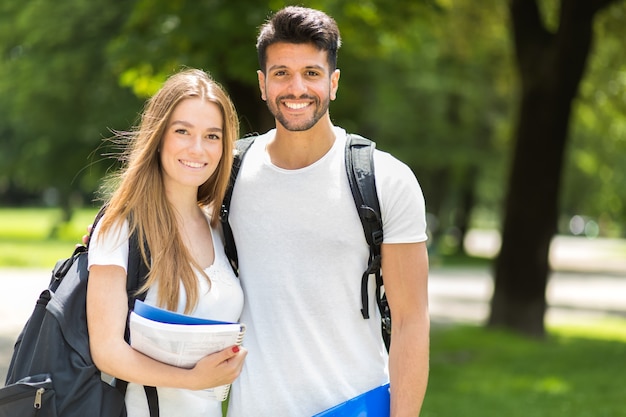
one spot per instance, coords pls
(297, 85)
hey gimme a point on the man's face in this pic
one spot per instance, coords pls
(297, 84)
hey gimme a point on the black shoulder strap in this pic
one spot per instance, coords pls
(137, 270)
(360, 169)
(241, 147)
(137, 273)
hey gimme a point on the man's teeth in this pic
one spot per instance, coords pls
(296, 106)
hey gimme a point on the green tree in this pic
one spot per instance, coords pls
(159, 37)
(59, 93)
(551, 64)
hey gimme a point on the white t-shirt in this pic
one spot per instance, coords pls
(302, 253)
(222, 301)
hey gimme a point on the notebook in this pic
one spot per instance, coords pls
(373, 403)
(181, 340)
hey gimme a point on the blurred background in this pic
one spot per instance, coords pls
(512, 114)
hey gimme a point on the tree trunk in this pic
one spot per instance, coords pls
(551, 66)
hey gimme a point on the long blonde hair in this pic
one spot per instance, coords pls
(139, 195)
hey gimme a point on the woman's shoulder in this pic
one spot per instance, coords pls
(118, 229)
(111, 246)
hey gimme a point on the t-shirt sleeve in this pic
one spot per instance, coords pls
(402, 203)
(110, 248)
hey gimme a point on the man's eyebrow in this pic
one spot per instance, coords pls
(315, 67)
(275, 67)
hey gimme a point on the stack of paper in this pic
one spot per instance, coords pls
(181, 340)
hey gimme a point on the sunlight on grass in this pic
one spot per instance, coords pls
(476, 372)
(25, 236)
(41, 254)
(27, 224)
(605, 329)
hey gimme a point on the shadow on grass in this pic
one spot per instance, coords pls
(478, 372)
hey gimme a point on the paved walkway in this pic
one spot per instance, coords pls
(462, 295)
(455, 295)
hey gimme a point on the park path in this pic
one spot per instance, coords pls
(589, 282)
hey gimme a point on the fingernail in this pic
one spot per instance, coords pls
(235, 349)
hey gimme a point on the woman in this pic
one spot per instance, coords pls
(169, 193)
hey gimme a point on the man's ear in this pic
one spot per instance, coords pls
(261, 77)
(334, 84)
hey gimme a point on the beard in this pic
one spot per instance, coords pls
(299, 124)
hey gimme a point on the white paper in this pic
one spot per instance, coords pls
(183, 345)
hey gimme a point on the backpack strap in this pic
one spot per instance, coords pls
(137, 272)
(360, 169)
(241, 147)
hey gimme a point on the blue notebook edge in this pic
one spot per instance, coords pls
(373, 403)
(165, 316)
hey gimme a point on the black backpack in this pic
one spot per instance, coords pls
(51, 371)
(360, 170)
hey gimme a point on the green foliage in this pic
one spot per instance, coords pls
(594, 172)
(485, 373)
(432, 81)
(161, 36)
(58, 94)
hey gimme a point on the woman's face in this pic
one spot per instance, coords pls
(192, 145)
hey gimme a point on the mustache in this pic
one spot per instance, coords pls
(293, 97)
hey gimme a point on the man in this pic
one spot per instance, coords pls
(302, 249)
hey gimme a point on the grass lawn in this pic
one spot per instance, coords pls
(25, 236)
(577, 371)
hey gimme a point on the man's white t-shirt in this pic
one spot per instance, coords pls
(223, 301)
(302, 253)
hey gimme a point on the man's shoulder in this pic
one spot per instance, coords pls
(384, 161)
(250, 141)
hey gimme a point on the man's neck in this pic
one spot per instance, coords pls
(295, 150)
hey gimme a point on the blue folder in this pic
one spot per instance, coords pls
(373, 403)
(165, 316)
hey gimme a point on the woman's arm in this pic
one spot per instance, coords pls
(107, 310)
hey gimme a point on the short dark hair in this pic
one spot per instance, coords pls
(295, 24)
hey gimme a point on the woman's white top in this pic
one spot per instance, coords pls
(222, 300)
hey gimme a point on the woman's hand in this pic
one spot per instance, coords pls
(219, 368)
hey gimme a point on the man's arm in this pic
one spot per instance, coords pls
(405, 274)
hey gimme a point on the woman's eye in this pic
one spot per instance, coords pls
(181, 131)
